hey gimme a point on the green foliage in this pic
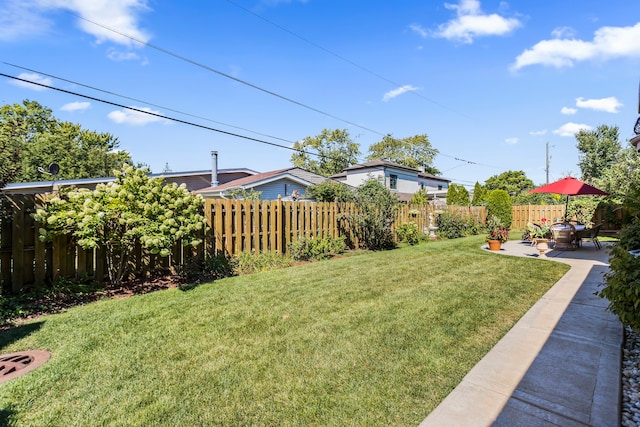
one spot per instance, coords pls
(479, 195)
(319, 248)
(499, 205)
(419, 197)
(513, 182)
(598, 151)
(41, 139)
(244, 194)
(414, 152)
(451, 225)
(622, 282)
(408, 232)
(255, 262)
(583, 209)
(457, 195)
(117, 215)
(330, 191)
(496, 229)
(336, 152)
(376, 207)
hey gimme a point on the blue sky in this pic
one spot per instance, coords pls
(491, 83)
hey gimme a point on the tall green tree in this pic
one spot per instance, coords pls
(414, 152)
(457, 195)
(336, 152)
(9, 154)
(479, 195)
(598, 151)
(41, 139)
(513, 182)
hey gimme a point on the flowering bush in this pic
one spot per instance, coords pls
(115, 216)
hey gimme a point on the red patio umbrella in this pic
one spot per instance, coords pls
(571, 187)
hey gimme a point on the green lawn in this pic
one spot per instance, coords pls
(374, 339)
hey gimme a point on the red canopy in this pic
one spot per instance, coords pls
(570, 186)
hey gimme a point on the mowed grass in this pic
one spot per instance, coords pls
(369, 340)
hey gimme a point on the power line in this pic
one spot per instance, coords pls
(340, 57)
(162, 116)
(144, 102)
(211, 69)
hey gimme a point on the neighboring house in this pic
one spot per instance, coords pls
(401, 180)
(194, 180)
(272, 185)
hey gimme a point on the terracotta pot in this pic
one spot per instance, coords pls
(494, 245)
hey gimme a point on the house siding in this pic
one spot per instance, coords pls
(272, 190)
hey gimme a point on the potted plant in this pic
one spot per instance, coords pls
(540, 234)
(496, 233)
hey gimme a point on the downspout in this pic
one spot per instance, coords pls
(214, 168)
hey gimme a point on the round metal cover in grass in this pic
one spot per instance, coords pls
(15, 364)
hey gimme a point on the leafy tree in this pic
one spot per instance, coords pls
(499, 205)
(513, 182)
(457, 195)
(598, 149)
(9, 154)
(118, 214)
(414, 152)
(419, 197)
(41, 139)
(377, 208)
(336, 152)
(331, 191)
(479, 195)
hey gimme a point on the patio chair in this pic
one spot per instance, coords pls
(592, 234)
(564, 235)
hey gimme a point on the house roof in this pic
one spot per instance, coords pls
(44, 186)
(374, 164)
(295, 174)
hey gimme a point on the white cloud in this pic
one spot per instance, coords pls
(570, 129)
(538, 132)
(419, 30)
(568, 111)
(32, 77)
(20, 19)
(135, 118)
(607, 43)
(118, 55)
(471, 23)
(563, 33)
(76, 106)
(609, 105)
(512, 141)
(397, 92)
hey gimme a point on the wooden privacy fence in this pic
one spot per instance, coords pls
(234, 227)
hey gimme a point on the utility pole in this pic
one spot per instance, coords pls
(547, 168)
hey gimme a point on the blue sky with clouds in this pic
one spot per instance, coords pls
(491, 83)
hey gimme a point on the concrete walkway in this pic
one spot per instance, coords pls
(558, 366)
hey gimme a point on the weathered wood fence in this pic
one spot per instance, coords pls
(234, 227)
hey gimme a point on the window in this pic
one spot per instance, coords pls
(286, 189)
(393, 182)
(439, 187)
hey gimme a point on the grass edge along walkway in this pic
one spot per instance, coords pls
(375, 339)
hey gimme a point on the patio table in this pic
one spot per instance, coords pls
(567, 235)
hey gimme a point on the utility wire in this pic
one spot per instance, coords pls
(340, 57)
(162, 116)
(144, 102)
(213, 70)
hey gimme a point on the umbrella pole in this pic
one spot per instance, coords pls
(566, 210)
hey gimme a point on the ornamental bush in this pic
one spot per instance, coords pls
(499, 205)
(408, 232)
(115, 216)
(376, 207)
(622, 281)
(306, 248)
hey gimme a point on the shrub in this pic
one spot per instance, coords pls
(320, 248)
(408, 232)
(376, 213)
(451, 225)
(622, 282)
(255, 262)
(499, 205)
